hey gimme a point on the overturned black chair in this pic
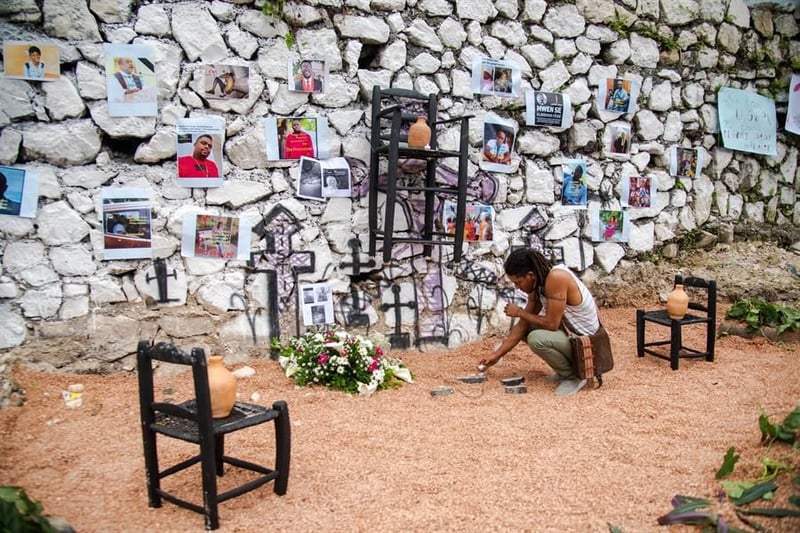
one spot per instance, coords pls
(701, 312)
(191, 421)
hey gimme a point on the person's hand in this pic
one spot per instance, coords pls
(484, 364)
(513, 310)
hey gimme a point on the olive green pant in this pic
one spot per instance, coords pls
(554, 347)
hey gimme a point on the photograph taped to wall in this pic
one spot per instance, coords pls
(19, 192)
(307, 75)
(309, 179)
(127, 223)
(619, 140)
(336, 180)
(316, 300)
(296, 137)
(200, 141)
(610, 225)
(747, 121)
(618, 95)
(685, 162)
(498, 142)
(131, 80)
(216, 236)
(478, 222)
(547, 109)
(227, 82)
(36, 60)
(574, 191)
(496, 77)
(638, 191)
(793, 110)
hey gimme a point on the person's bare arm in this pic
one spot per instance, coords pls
(517, 333)
(556, 289)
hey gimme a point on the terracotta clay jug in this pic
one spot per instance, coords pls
(677, 302)
(221, 386)
(419, 134)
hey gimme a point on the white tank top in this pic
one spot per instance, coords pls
(582, 318)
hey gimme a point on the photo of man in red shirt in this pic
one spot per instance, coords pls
(298, 143)
(198, 165)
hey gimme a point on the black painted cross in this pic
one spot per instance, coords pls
(278, 258)
(399, 339)
(161, 277)
(357, 304)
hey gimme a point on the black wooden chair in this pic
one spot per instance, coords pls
(393, 111)
(191, 421)
(701, 312)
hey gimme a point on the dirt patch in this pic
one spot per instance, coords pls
(405, 460)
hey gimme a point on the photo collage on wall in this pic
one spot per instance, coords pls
(127, 223)
(320, 179)
(316, 301)
(495, 77)
(618, 95)
(35, 61)
(131, 80)
(574, 192)
(478, 224)
(215, 237)
(498, 142)
(638, 191)
(296, 137)
(227, 82)
(611, 225)
(19, 192)
(307, 75)
(685, 162)
(547, 109)
(199, 151)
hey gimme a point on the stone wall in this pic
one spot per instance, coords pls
(54, 283)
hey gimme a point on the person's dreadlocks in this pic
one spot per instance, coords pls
(524, 260)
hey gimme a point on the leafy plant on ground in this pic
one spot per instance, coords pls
(690, 510)
(758, 314)
(19, 513)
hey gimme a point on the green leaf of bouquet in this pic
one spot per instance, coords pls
(728, 462)
(792, 420)
(779, 513)
(795, 500)
(756, 492)
(734, 489)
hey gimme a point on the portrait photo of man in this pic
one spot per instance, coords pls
(198, 164)
(298, 142)
(618, 97)
(308, 76)
(34, 67)
(497, 149)
(130, 80)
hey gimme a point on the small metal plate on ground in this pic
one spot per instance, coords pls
(510, 382)
(472, 378)
(441, 391)
(516, 389)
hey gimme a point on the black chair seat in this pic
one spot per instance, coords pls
(704, 314)
(243, 415)
(191, 421)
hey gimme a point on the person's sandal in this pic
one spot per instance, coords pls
(570, 386)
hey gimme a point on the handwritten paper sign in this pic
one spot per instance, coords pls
(747, 121)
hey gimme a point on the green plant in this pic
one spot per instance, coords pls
(741, 494)
(18, 513)
(758, 313)
(339, 360)
(276, 8)
(619, 25)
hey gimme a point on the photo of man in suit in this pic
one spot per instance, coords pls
(307, 80)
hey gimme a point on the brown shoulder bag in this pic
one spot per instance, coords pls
(592, 355)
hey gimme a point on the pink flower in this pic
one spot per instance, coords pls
(373, 366)
(378, 351)
(323, 358)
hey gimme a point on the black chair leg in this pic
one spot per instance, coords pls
(675, 344)
(209, 472)
(151, 468)
(219, 451)
(283, 441)
(640, 332)
(711, 338)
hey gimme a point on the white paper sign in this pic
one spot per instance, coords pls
(747, 121)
